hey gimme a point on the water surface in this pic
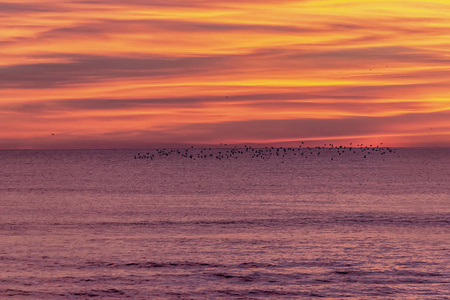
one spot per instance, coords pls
(80, 224)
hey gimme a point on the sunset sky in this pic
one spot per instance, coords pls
(143, 73)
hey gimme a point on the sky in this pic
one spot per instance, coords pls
(146, 73)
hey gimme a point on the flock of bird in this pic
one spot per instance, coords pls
(328, 150)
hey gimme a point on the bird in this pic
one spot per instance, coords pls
(265, 153)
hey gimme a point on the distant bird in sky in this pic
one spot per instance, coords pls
(53, 134)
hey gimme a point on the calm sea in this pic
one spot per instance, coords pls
(231, 225)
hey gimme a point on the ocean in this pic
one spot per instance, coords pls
(231, 223)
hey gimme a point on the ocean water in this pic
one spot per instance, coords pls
(242, 224)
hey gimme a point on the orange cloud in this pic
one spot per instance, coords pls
(113, 73)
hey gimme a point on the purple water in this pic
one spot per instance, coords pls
(80, 224)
